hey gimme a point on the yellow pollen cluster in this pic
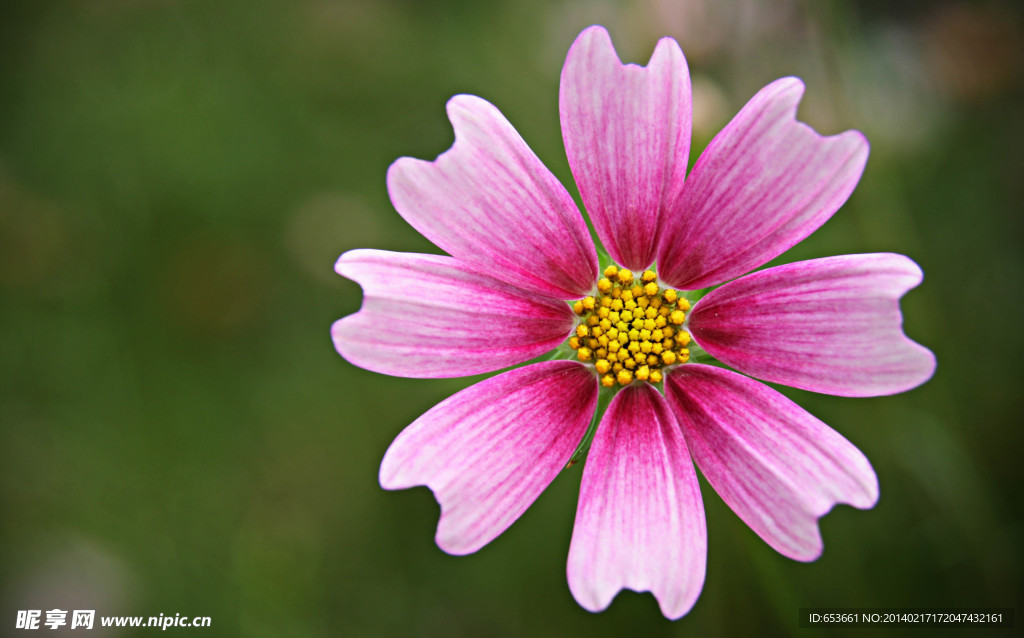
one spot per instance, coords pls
(631, 329)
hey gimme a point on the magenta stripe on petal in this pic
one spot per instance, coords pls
(778, 467)
(489, 451)
(489, 201)
(627, 136)
(763, 184)
(433, 316)
(828, 325)
(640, 521)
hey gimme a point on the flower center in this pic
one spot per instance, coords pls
(631, 329)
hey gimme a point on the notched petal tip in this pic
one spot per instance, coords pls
(640, 521)
(432, 316)
(598, 36)
(777, 466)
(449, 541)
(488, 451)
(626, 130)
(789, 92)
(489, 201)
(762, 185)
(831, 325)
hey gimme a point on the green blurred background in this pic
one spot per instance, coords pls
(178, 435)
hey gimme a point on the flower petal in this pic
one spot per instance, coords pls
(763, 184)
(489, 451)
(433, 316)
(627, 136)
(828, 325)
(489, 201)
(640, 521)
(778, 467)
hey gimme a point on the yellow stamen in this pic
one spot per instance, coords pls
(630, 329)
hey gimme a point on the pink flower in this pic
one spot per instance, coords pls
(519, 247)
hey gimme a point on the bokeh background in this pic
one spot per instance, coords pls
(178, 435)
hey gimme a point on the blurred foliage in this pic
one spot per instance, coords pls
(179, 436)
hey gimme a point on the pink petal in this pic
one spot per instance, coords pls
(829, 325)
(433, 316)
(489, 201)
(640, 522)
(489, 451)
(627, 135)
(775, 465)
(763, 184)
